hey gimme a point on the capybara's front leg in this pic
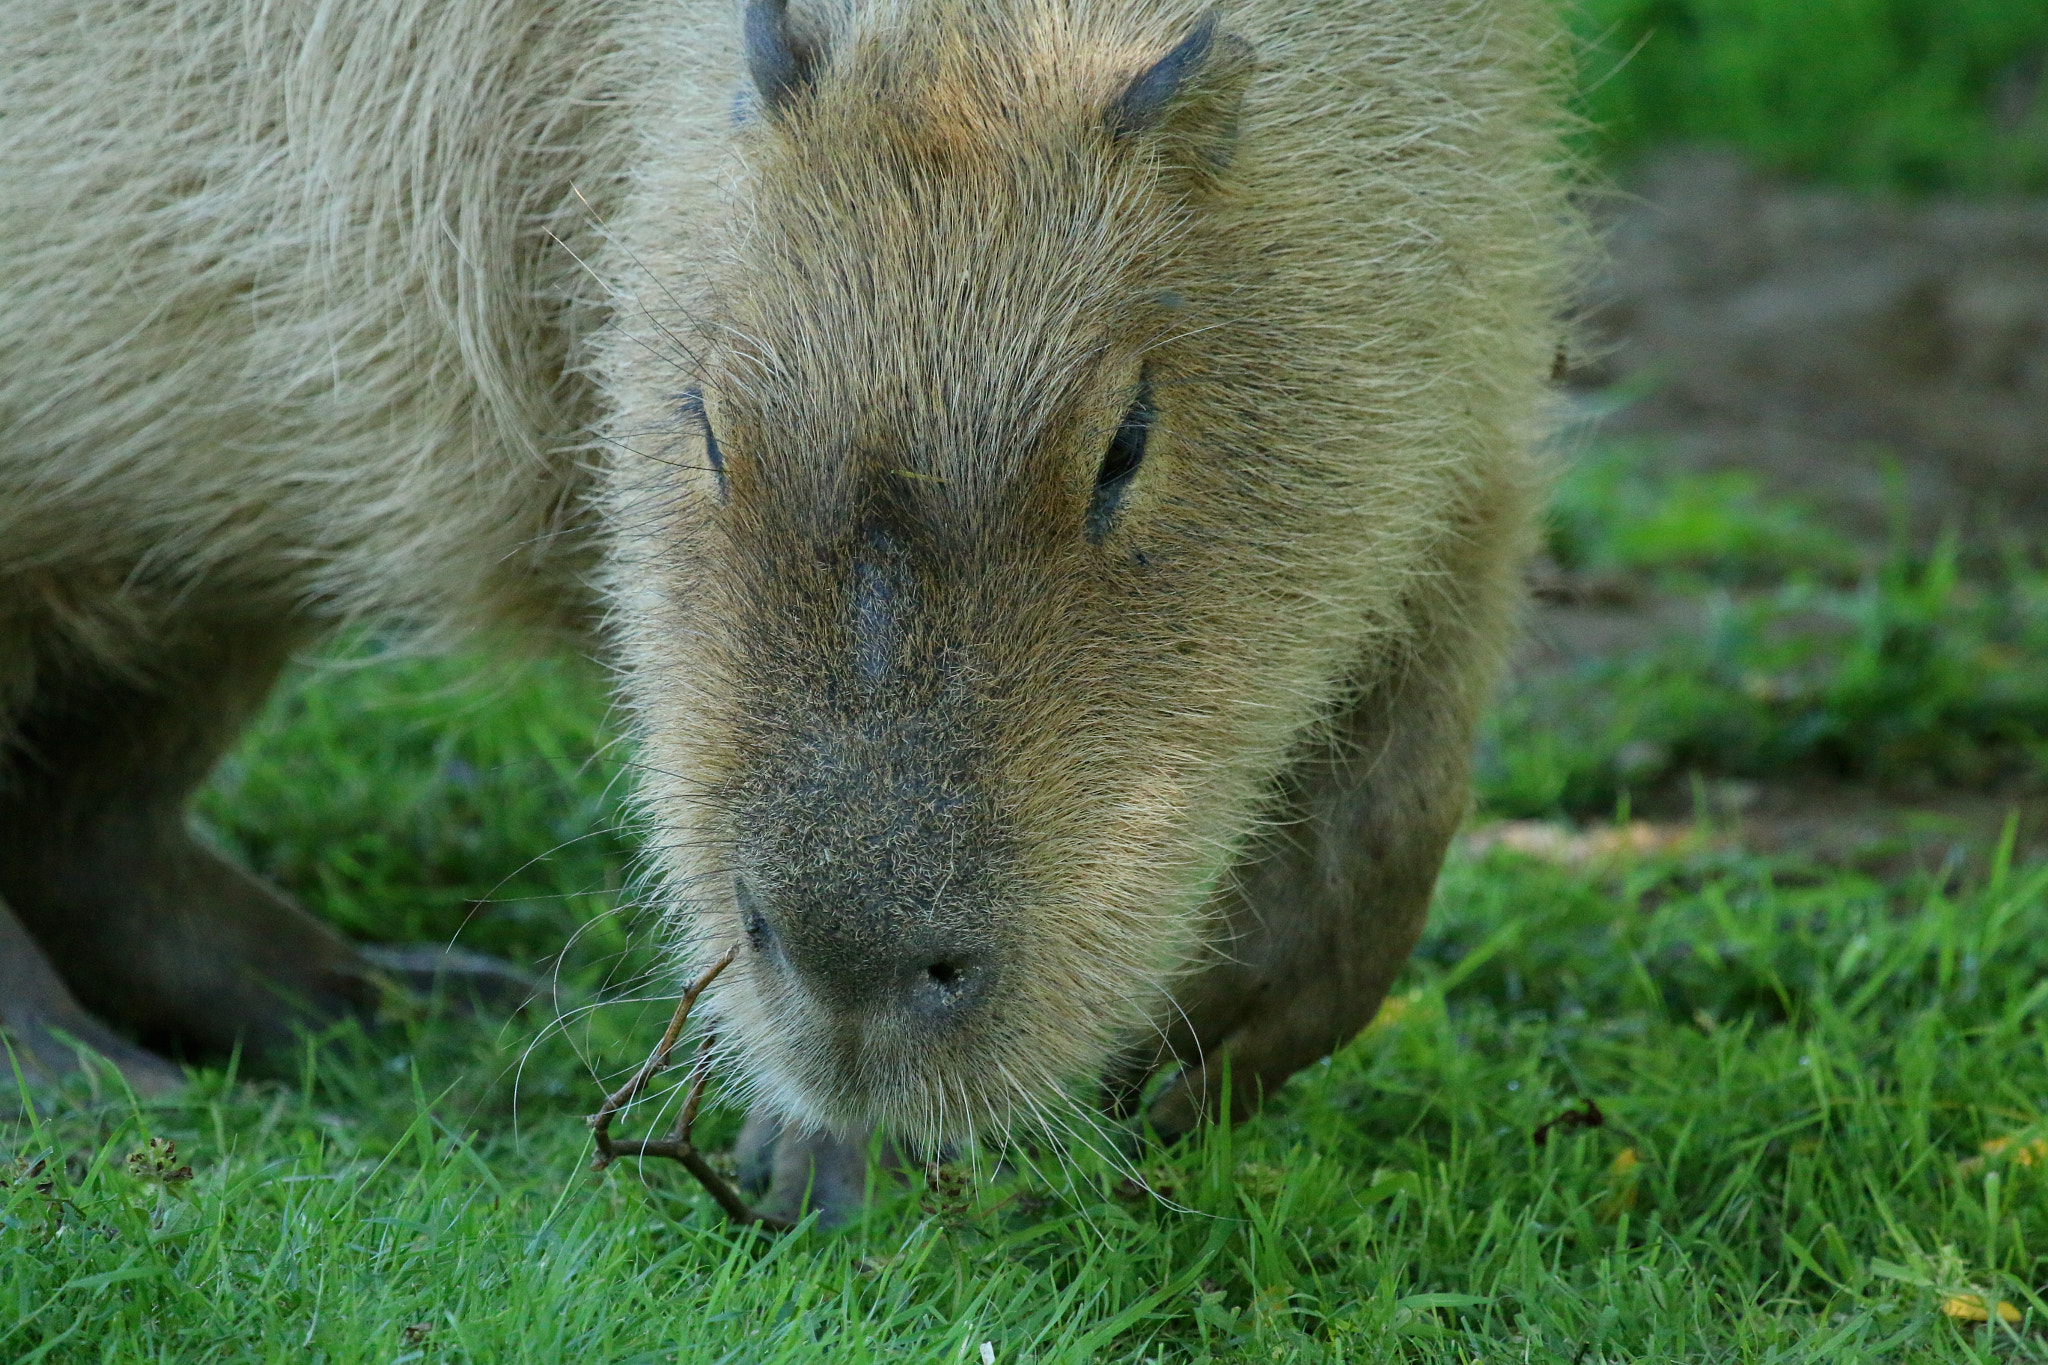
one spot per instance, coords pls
(1322, 912)
(1325, 914)
(146, 926)
(791, 1171)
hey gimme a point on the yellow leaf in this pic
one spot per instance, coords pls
(1392, 1010)
(2031, 1153)
(1621, 1186)
(1970, 1308)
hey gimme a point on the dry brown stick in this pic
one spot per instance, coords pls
(601, 1121)
(677, 1145)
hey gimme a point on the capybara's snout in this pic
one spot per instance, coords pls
(881, 967)
(867, 901)
(879, 954)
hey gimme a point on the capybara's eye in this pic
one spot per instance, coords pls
(693, 410)
(1120, 462)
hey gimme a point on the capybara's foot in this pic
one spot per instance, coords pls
(48, 1035)
(791, 1172)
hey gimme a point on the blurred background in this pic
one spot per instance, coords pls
(1794, 598)
(1795, 578)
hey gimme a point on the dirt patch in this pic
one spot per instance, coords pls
(1884, 834)
(1949, 837)
(1814, 336)
(1863, 357)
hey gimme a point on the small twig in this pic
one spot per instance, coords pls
(601, 1121)
(1589, 1117)
(677, 1145)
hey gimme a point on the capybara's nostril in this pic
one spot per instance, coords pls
(947, 988)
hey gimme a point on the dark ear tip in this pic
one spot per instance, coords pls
(1196, 44)
(1145, 99)
(780, 66)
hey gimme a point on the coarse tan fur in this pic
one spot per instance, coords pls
(1003, 762)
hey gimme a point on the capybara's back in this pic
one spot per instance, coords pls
(1061, 470)
(289, 313)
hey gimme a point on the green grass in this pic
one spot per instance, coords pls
(1619, 509)
(1898, 668)
(1799, 1072)
(426, 798)
(1910, 96)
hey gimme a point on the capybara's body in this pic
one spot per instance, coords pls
(1052, 474)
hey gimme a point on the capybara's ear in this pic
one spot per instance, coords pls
(1191, 96)
(781, 61)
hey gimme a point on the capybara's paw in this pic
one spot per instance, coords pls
(1176, 1110)
(39, 1056)
(47, 1038)
(754, 1152)
(792, 1173)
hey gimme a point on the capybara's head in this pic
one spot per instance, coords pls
(968, 590)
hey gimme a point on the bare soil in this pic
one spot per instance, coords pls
(1817, 338)
(1870, 359)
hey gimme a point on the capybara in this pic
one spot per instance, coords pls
(1051, 476)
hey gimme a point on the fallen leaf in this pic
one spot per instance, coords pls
(2028, 1155)
(1622, 1174)
(2033, 1153)
(22, 1169)
(1392, 1010)
(1970, 1308)
(1589, 1117)
(1554, 842)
